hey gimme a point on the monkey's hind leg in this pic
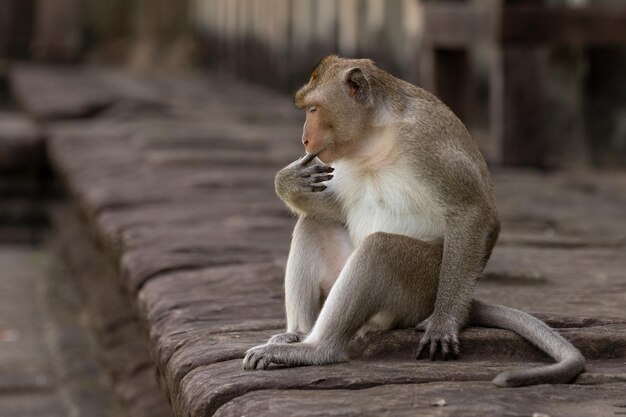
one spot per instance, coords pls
(387, 273)
(318, 252)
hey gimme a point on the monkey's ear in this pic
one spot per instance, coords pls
(358, 86)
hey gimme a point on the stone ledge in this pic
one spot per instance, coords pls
(468, 399)
(181, 202)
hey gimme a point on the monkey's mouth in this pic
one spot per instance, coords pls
(318, 153)
(315, 153)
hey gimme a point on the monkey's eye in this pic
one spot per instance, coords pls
(312, 109)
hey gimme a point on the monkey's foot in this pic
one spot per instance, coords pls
(289, 337)
(441, 336)
(295, 354)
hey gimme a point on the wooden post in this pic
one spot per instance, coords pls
(393, 36)
(56, 33)
(6, 12)
(453, 81)
(301, 53)
(518, 105)
(261, 42)
(221, 33)
(517, 96)
(325, 32)
(413, 28)
(371, 42)
(161, 32)
(348, 36)
(444, 59)
(278, 45)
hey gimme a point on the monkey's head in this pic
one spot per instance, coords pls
(339, 106)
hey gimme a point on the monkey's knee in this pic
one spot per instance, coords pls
(386, 249)
(407, 264)
(308, 225)
(378, 246)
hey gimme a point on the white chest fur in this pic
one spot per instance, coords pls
(386, 199)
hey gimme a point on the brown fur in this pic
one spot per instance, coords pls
(405, 148)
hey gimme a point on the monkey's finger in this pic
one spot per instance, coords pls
(434, 344)
(322, 169)
(247, 362)
(322, 178)
(306, 159)
(445, 348)
(456, 346)
(421, 347)
(317, 188)
(256, 362)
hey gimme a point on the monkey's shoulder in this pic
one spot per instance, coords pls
(449, 168)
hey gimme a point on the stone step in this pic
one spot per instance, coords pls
(175, 202)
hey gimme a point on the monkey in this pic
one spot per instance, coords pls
(396, 221)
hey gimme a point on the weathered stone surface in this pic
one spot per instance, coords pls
(393, 346)
(575, 281)
(174, 178)
(23, 182)
(56, 36)
(471, 399)
(568, 209)
(121, 345)
(47, 366)
(64, 92)
(205, 389)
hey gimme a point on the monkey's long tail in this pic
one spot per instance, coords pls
(570, 362)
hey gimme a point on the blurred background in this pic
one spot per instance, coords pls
(540, 82)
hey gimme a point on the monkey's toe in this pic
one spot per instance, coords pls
(446, 345)
(256, 358)
(289, 337)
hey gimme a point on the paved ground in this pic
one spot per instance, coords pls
(47, 365)
(22, 179)
(172, 179)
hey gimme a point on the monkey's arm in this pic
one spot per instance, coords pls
(469, 237)
(301, 187)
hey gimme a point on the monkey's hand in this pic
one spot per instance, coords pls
(299, 177)
(439, 332)
(299, 185)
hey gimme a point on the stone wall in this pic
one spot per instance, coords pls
(278, 41)
(142, 33)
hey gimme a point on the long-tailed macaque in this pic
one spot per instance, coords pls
(397, 220)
